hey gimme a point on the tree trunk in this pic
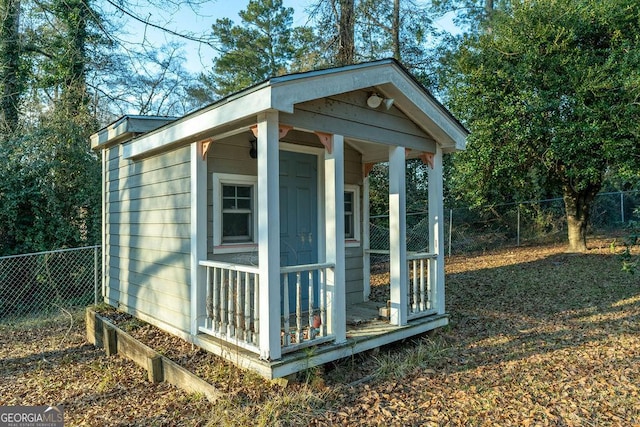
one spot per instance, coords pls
(488, 7)
(10, 87)
(74, 16)
(346, 47)
(395, 31)
(578, 209)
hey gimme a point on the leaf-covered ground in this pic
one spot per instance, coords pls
(537, 337)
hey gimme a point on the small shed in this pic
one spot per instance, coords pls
(243, 227)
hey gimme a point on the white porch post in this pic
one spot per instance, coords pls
(198, 235)
(436, 231)
(334, 206)
(398, 236)
(366, 242)
(269, 235)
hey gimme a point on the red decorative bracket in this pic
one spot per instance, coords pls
(427, 159)
(367, 167)
(204, 147)
(283, 130)
(326, 140)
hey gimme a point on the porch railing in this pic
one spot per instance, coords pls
(232, 304)
(308, 324)
(421, 292)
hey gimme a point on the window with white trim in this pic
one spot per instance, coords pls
(352, 214)
(234, 212)
(237, 221)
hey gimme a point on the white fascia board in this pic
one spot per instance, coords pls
(126, 127)
(191, 127)
(109, 133)
(391, 79)
(288, 92)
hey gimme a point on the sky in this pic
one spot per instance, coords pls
(198, 22)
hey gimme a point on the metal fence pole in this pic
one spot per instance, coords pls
(95, 275)
(518, 230)
(450, 228)
(622, 206)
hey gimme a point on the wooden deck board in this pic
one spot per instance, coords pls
(361, 313)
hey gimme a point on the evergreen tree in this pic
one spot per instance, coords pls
(263, 45)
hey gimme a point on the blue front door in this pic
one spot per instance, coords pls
(298, 217)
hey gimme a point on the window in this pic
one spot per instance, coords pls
(237, 202)
(234, 213)
(352, 215)
(348, 214)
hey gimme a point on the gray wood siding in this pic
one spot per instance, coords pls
(148, 237)
(230, 155)
(353, 255)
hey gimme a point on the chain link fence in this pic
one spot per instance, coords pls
(45, 282)
(469, 230)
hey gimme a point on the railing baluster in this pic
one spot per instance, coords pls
(247, 307)
(223, 302)
(430, 300)
(299, 308)
(322, 277)
(312, 330)
(423, 302)
(230, 312)
(239, 315)
(216, 298)
(209, 301)
(286, 339)
(256, 309)
(414, 304)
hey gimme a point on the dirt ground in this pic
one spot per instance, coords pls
(537, 337)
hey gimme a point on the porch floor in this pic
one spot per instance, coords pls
(365, 331)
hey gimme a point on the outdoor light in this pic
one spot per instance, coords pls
(374, 101)
(388, 102)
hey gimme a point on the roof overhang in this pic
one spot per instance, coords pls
(125, 128)
(282, 94)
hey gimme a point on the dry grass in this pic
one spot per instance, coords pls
(537, 337)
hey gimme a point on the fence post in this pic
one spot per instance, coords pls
(450, 228)
(95, 275)
(518, 231)
(622, 206)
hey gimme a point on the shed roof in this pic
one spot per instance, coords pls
(387, 77)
